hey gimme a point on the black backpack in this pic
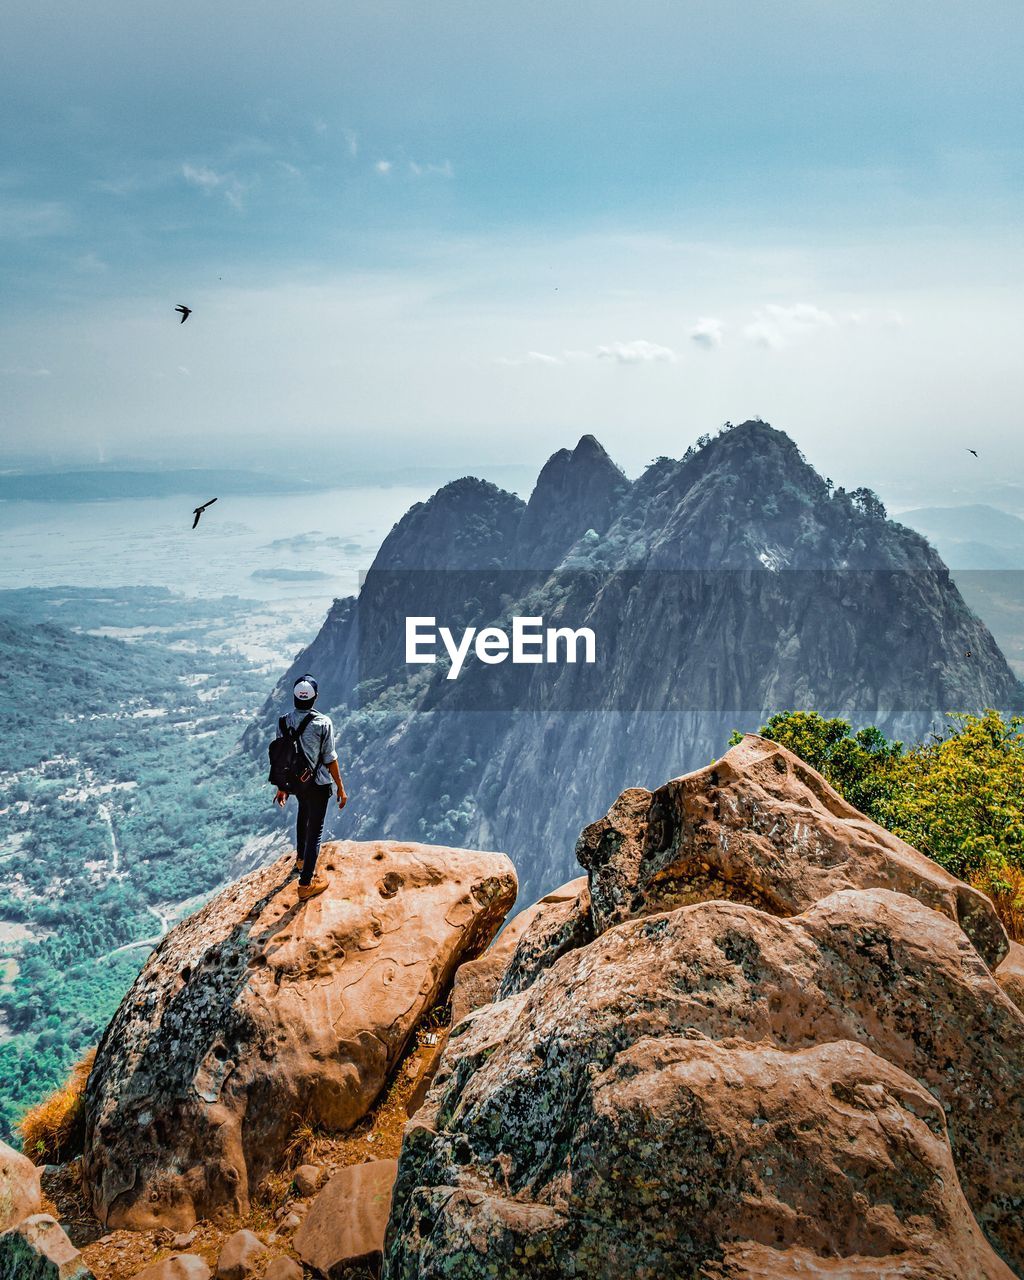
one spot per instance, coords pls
(289, 765)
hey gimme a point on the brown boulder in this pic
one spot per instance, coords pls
(20, 1193)
(183, 1266)
(1010, 974)
(38, 1249)
(477, 981)
(826, 1083)
(307, 1179)
(283, 1269)
(760, 826)
(258, 1010)
(240, 1256)
(346, 1222)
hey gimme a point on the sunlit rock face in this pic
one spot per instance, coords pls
(260, 1012)
(773, 1045)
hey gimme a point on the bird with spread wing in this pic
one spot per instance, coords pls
(199, 511)
(185, 311)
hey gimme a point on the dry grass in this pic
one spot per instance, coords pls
(1004, 884)
(54, 1130)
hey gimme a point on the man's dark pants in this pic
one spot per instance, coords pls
(309, 826)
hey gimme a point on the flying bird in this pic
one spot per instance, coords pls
(185, 311)
(974, 451)
(199, 511)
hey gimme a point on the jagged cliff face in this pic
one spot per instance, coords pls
(724, 586)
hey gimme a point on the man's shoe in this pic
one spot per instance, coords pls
(307, 891)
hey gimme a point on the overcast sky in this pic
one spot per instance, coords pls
(445, 231)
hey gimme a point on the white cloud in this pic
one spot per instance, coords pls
(776, 326)
(707, 333)
(209, 181)
(200, 176)
(383, 166)
(639, 351)
(90, 263)
(426, 170)
(21, 371)
(531, 357)
(352, 142)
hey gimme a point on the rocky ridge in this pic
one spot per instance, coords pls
(723, 587)
(733, 1071)
(761, 1038)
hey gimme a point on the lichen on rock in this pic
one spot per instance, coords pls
(258, 1012)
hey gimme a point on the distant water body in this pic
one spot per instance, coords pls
(304, 549)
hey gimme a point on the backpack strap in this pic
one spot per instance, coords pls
(299, 729)
(296, 735)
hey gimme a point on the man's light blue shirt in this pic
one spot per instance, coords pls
(317, 741)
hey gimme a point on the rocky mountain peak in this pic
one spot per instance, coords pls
(577, 489)
(467, 524)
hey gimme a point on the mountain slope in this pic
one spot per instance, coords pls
(721, 587)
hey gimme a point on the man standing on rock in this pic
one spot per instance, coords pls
(313, 790)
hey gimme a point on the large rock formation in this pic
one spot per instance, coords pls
(760, 826)
(259, 1011)
(20, 1191)
(536, 929)
(750, 1084)
(721, 587)
(38, 1249)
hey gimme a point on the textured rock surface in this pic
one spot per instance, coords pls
(257, 1011)
(577, 489)
(283, 1269)
(20, 1194)
(38, 1249)
(242, 1254)
(478, 981)
(561, 923)
(760, 826)
(816, 1083)
(345, 1225)
(307, 1179)
(1010, 974)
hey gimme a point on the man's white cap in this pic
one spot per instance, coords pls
(304, 690)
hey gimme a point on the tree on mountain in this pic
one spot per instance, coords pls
(868, 502)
